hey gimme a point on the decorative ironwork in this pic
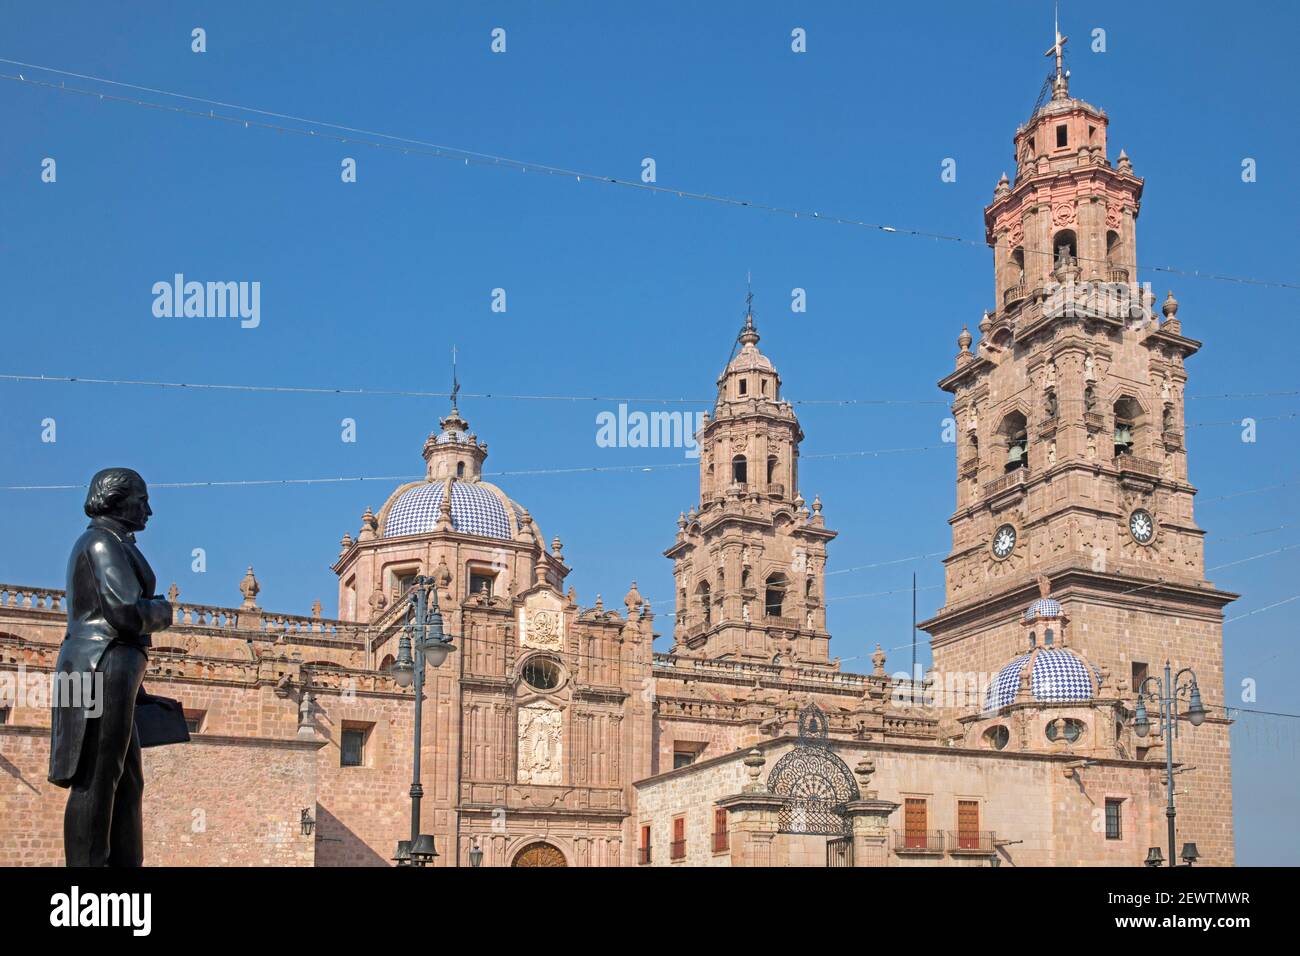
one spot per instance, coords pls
(839, 851)
(813, 727)
(814, 782)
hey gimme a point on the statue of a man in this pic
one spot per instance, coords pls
(112, 610)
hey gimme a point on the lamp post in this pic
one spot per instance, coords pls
(422, 642)
(1166, 694)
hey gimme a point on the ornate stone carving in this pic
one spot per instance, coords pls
(1062, 214)
(540, 743)
(541, 622)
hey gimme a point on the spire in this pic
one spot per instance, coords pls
(1061, 81)
(749, 334)
(455, 384)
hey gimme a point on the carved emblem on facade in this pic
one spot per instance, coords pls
(541, 622)
(1063, 214)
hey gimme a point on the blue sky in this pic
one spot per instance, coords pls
(612, 291)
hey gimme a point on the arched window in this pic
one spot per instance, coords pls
(460, 469)
(703, 595)
(386, 665)
(1050, 403)
(771, 468)
(774, 596)
(1113, 258)
(739, 471)
(1089, 399)
(1065, 243)
(1015, 435)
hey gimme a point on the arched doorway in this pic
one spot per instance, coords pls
(539, 854)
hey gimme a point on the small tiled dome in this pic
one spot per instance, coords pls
(476, 508)
(1044, 607)
(1055, 674)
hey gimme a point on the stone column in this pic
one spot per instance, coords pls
(752, 824)
(753, 817)
(869, 819)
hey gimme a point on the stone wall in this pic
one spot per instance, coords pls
(217, 801)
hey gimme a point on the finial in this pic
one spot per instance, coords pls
(749, 334)
(345, 544)
(249, 588)
(173, 593)
(557, 548)
(455, 382)
(817, 503)
(632, 600)
(878, 663)
(964, 340)
(315, 609)
(1170, 308)
(1124, 164)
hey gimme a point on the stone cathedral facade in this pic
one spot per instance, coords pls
(555, 735)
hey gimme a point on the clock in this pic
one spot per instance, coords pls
(1142, 526)
(1004, 541)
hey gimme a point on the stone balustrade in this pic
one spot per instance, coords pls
(186, 614)
(33, 599)
(1138, 466)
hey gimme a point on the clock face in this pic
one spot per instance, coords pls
(1142, 526)
(1004, 541)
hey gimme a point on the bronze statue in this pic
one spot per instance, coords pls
(94, 741)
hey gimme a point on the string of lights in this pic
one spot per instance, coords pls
(505, 396)
(320, 129)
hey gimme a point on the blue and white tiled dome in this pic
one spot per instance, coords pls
(476, 508)
(1056, 675)
(1043, 607)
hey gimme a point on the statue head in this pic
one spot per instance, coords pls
(119, 493)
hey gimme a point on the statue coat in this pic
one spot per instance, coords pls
(110, 599)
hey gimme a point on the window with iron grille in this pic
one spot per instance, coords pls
(645, 843)
(679, 839)
(1114, 820)
(353, 747)
(719, 830)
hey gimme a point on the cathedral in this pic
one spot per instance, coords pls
(555, 735)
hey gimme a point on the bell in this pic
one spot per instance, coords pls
(1123, 435)
(1015, 454)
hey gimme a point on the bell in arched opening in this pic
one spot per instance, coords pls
(1018, 451)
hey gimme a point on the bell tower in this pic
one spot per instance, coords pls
(1071, 455)
(749, 559)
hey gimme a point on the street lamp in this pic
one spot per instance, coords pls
(1166, 694)
(476, 854)
(422, 642)
(1190, 855)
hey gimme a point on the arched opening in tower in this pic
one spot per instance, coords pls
(774, 595)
